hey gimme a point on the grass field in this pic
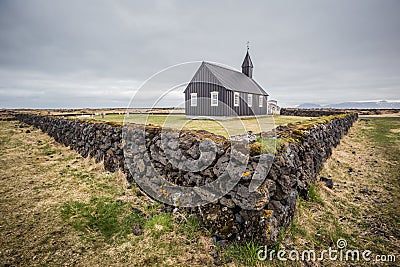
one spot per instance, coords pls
(221, 127)
(363, 207)
(59, 209)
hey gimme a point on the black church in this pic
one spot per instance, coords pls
(219, 92)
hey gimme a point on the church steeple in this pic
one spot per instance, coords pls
(247, 65)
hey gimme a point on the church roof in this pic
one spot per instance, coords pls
(230, 79)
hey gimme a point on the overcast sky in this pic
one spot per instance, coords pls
(61, 54)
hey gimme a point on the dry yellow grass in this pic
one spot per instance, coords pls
(363, 206)
(39, 176)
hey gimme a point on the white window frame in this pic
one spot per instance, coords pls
(214, 99)
(249, 100)
(193, 99)
(260, 101)
(236, 101)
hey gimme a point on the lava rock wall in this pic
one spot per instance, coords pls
(242, 214)
(310, 112)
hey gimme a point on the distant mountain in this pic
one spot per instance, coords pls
(368, 105)
(356, 105)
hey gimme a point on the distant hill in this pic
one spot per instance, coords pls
(356, 105)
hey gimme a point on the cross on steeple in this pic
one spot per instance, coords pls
(248, 45)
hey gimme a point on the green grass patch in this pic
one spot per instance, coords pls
(112, 220)
(270, 144)
(296, 230)
(190, 227)
(385, 132)
(83, 176)
(4, 139)
(314, 195)
(49, 150)
(66, 158)
(159, 224)
(244, 253)
(153, 208)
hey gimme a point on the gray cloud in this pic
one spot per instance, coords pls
(97, 53)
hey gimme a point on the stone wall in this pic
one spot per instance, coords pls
(241, 214)
(330, 111)
(310, 112)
